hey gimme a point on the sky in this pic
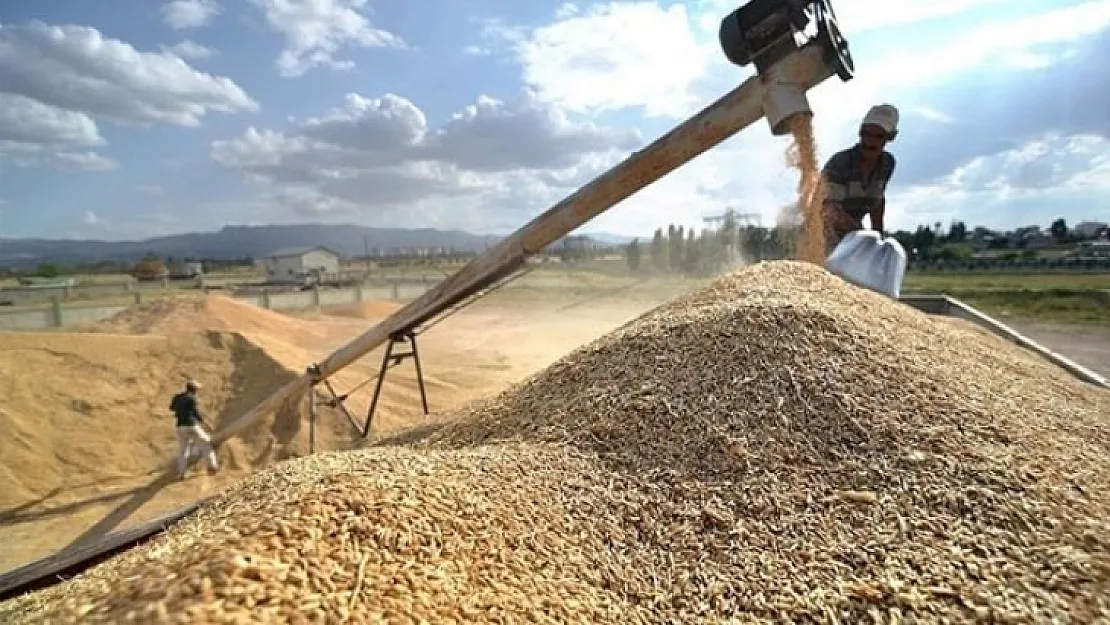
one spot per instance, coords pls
(137, 118)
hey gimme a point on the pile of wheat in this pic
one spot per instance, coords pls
(777, 447)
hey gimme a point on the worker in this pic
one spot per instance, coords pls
(186, 410)
(856, 178)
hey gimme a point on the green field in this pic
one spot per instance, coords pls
(1081, 298)
(944, 282)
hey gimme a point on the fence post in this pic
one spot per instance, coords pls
(316, 295)
(358, 293)
(396, 290)
(266, 299)
(56, 309)
(138, 297)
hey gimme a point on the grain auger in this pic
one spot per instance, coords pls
(762, 32)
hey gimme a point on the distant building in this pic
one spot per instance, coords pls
(302, 264)
(186, 269)
(1088, 229)
(1038, 241)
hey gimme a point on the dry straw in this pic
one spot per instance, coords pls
(779, 447)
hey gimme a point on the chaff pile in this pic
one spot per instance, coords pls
(777, 447)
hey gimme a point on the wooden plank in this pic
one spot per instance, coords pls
(722, 119)
(46, 571)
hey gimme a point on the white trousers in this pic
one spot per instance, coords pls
(191, 437)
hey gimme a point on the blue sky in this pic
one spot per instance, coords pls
(137, 118)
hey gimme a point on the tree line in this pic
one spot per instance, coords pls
(680, 250)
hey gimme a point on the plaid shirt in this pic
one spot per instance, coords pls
(846, 184)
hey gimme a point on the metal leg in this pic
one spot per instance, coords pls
(381, 379)
(419, 373)
(389, 359)
(312, 419)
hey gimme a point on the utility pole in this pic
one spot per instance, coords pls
(734, 220)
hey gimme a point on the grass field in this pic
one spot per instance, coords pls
(942, 282)
(1082, 298)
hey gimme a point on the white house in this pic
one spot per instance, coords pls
(300, 264)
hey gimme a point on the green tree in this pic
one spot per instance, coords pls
(923, 240)
(1059, 230)
(957, 232)
(632, 254)
(672, 248)
(691, 254)
(48, 270)
(678, 253)
(659, 257)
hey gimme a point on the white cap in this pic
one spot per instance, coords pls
(884, 116)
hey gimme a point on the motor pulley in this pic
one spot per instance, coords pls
(764, 32)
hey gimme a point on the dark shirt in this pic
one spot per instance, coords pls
(846, 184)
(185, 408)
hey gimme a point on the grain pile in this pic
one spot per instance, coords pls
(777, 447)
(85, 423)
(213, 312)
(366, 310)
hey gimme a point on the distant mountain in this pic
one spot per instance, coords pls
(234, 242)
(607, 238)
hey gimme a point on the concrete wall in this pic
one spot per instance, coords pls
(57, 315)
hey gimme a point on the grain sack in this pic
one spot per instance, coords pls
(777, 447)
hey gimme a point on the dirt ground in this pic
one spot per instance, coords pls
(89, 439)
(1088, 346)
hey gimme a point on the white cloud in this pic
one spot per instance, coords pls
(95, 225)
(1025, 42)
(55, 80)
(29, 123)
(1051, 161)
(379, 155)
(617, 55)
(857, 16)
(76, 68)
(1056, 172)
(61, 161)
(184, 14)
(189, 49)
(315, 30)
(82, 161)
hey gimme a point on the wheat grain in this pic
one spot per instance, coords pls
(777, 447)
